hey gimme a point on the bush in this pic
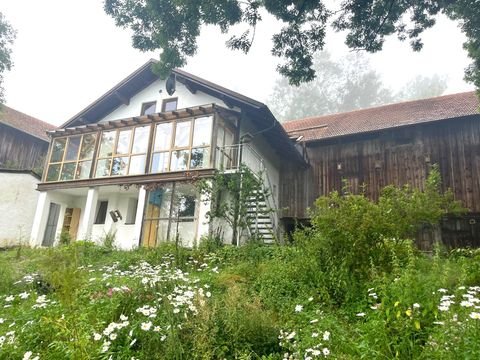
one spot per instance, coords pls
(353, 239)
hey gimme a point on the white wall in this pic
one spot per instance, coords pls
(264, 149)
(152, 93)
(18, 200)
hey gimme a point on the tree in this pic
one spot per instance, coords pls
(422, 87)
(338, 86)
(173, 26)
(345, 85)
(7, 35)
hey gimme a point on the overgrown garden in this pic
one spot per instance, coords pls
(352, 286)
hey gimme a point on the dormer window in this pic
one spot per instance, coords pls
(149, 108)
(169, 104)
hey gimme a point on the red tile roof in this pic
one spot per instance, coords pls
(26, 123)
(384, 117)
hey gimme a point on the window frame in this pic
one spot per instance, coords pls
(97, 213)
(171, 218)
(128, 155)
(146, 105)
(77, 161)
(169, 100)
(189, 148)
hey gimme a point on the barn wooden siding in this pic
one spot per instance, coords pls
(19, 150)
(394, 156)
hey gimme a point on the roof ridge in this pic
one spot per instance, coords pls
(377, 107)
(24, 114)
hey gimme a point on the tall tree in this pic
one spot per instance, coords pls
(7, 35)
(339, 86)
(174, 26)
(345, 85)
(422, 87)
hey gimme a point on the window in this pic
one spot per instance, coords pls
(123, 152)
(149, 108)
(101, 212)
(169, 104)
(182, 145)
(131, 211)
(71, 158)
(171, 211)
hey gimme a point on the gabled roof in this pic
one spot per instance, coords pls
(144, 76)
(25, 123)
(385, 117)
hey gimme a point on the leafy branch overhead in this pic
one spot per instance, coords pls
(7, 35)
(173, 27)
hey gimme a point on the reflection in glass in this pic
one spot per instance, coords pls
(148, 108)
(182, 133)
(160, 162)
(123, 145)
(83, 170)
(159, 202)
(163, 137)
(202, 132)
(108, 140)
(103, 168)
(58, 149)
(200, 158)
(53, 172)
(179, 160)
(185, 228)
(68, 171)
(137, 165)
(120, 166)
(184, 200)
(88, 146)
(140, 140)
(72, 148)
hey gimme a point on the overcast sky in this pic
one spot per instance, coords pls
(68, 53)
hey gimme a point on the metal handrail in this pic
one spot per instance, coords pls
(261, 173)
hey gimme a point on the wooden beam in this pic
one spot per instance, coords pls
(227, 101)
(190, 111)
(190, 87)
(123, 99)
(176, 113)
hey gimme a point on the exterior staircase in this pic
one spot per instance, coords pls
(260, 216)
(261, 205)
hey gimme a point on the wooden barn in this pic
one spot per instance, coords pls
(392, 144)
(23, 140)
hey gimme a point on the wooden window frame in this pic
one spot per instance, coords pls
(166, 101)
(77, 160)
(129, 154)
(147, 104)
(171, 218)
(188, 148)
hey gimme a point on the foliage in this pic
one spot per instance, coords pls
(174, 26)
(422, 87)
(344, 226)
(344, 85)
(81, 301)
(229, 195)
(351, 287)
(7, 36)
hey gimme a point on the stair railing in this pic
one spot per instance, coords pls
(231, 157)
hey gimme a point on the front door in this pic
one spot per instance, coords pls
(51, 228)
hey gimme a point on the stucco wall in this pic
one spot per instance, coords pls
(18, 200)
(156, 92)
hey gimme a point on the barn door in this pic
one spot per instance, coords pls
(51, 228)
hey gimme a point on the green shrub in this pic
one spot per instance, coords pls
(353, 239)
